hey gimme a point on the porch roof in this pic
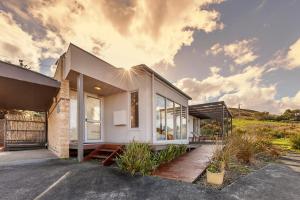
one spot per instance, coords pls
(213, 110)
(92, 85)
(24, 89)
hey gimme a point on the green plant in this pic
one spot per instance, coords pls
(278, 134)
(215, 167)
(295, 141)
(166, 155)
(137, 158)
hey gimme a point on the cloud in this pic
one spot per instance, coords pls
(244, 88)
(242, 52)
(290, 102)
(124, 33)
(17, 44)
(293, 55)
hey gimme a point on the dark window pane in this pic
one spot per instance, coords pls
(134, 101)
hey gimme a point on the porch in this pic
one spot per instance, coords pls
(210, 122)
(88, 111)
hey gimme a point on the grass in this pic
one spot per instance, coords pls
(279, 132)
(285, 144)
(244, 123)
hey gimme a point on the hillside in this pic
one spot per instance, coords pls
(245, 113)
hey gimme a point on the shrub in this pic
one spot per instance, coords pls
(295, 141)
(242, 146)
(214, 167)
(168, 154)
(137, 158)
(278, 134)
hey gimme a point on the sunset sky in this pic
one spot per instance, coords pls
(241, 51)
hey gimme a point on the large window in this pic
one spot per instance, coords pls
(134, 113)
(171, 120)
(160, 118)
(183, 122)
(177, 121)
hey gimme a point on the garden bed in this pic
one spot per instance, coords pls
(233, 173)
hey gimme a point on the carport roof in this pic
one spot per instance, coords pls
(24, 89)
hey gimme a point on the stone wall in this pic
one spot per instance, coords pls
(58, 122)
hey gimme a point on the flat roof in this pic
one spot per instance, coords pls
(141, 66)
(213, 110)
(24, 89)
(145, 67)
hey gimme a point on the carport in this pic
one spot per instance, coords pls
(24, 89)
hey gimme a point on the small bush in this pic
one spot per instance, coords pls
(278, 135)
(295, 141)
(214, 167)
(137, 158)
(168, 154)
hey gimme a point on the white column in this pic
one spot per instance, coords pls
(80, 116)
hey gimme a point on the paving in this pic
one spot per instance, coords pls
(189, 166)
(23, 157)
(67, 179)
(275, 181)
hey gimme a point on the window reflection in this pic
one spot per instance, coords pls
(171, 120)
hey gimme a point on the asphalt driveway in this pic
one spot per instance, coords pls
(58, 179)
(66, 179)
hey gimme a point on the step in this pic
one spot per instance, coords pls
(106, 150)
(99, 156)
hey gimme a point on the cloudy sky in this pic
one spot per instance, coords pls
(240, 51)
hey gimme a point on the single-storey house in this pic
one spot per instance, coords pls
(89, 101)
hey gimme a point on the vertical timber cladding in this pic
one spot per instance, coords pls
(25, 130)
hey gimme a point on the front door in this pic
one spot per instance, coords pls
(92, 119)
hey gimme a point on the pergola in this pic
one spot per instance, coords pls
(216, 111)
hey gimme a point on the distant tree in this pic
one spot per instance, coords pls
(290, 115)
(21, 63)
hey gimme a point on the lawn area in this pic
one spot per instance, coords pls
(284, 143)
(279, 132)
(244, 123)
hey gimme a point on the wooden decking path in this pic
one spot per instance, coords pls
(189, 166)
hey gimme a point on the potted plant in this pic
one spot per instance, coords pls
(215, 173)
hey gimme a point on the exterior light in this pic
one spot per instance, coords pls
(97, 88)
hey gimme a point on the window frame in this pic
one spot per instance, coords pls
(174, 119)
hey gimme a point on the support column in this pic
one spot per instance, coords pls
(222, 121)
(80, 116)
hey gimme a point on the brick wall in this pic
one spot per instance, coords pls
(58, 122)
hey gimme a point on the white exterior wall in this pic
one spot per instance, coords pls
(78, 60)
(121, 101)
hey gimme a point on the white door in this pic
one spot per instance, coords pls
(92, 119)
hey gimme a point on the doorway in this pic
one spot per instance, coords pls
(93, 119)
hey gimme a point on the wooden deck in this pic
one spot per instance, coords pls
(189, 166)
